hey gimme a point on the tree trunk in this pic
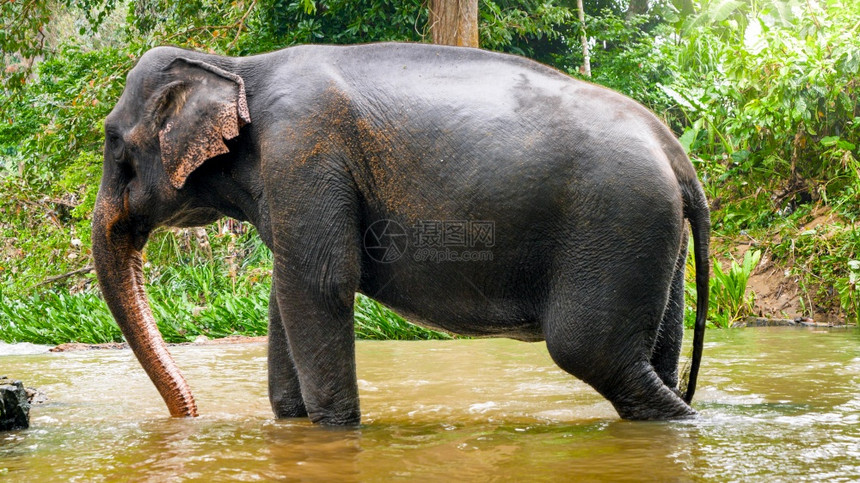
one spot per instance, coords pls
(586, 58)
(454, 22)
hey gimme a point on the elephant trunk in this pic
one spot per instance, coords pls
(118, 264)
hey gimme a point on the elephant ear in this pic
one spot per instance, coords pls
(195, 113)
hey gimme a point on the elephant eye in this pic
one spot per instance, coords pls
(116, 145)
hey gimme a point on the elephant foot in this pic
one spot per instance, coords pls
(347, 419)
(642, 396)
(650, 413)
(289, 408)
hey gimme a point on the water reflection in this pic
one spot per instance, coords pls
(776, 404)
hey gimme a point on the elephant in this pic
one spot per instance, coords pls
(338, 155)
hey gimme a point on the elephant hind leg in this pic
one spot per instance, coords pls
(604, 332)
(667, 348)
(628, 381)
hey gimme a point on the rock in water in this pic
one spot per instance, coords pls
(14, 407)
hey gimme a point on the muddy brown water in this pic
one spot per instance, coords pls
(776, 404)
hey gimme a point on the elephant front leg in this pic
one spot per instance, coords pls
(284, 390)
(317, 271)
(321, 340)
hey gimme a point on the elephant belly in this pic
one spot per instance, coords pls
(456, 301)
(473, 323)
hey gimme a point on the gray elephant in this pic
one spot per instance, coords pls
(337, 154)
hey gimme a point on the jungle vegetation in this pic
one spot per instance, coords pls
(762, 93)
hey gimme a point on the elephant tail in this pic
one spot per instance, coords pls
(697, 212)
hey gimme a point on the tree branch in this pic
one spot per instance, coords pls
(241, 25)
(57, 278)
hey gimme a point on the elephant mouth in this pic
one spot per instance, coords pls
(193, 217)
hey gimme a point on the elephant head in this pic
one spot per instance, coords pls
(174, 114)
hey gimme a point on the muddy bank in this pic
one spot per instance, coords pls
(791, 286)
(754, 321)
(777, 322)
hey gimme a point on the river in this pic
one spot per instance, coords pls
(775, 404)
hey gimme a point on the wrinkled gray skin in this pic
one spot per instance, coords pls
(587, 191)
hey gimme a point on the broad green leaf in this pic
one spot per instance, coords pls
(688, 138)
(829, 140)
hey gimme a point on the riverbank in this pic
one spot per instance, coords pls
(26, 348)
(808, 269)
(200, 341)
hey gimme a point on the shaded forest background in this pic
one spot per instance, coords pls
(763, 94)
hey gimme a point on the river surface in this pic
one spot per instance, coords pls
(776, 404)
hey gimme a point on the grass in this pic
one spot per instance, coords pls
(729, 300)
(55, 318)
(374, 321)
(729, 290)
(59, 317)
(214, 289)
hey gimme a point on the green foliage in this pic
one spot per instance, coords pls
(287, 22)
(764, 96)
(729, 300)
(50, 162)
(20, 39)
(631, 58)
(772, 101)
(729, 290)
(56, 317)
(27, 28)
(849, 290)
(375, 321)
(207, 25)
(536, 30)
